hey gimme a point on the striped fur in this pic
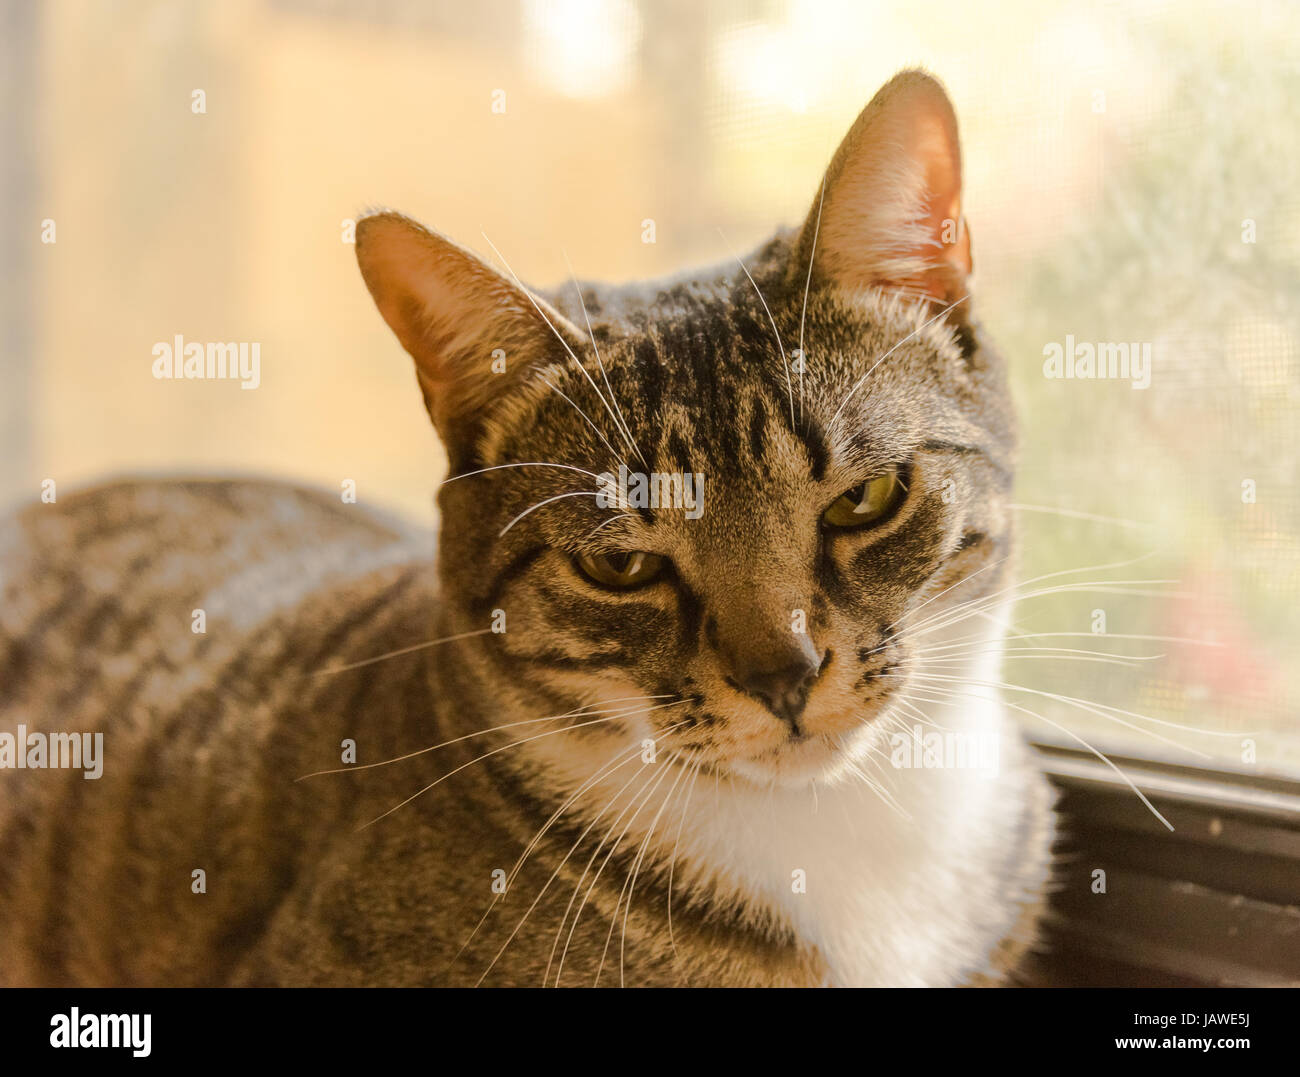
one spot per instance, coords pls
(652, 829)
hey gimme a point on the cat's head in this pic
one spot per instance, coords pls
(827, 435)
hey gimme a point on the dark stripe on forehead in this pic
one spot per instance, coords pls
(757, 429)
(649, 376)
(814, 438)
(679, 456)
(704, 364)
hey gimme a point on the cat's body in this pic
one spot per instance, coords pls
(746, 850)
(95, 876)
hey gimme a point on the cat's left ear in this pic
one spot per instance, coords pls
(473, 333)
(889, 214)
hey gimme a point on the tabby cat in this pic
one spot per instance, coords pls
(603, 739)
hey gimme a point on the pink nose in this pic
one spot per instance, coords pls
(784, 691)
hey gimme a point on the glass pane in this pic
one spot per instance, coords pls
(1131, 181)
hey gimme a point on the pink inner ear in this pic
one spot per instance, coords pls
(925, 132)
(937, 147)
(893, 214)
(452, 313)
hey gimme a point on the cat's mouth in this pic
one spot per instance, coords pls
(804, 757)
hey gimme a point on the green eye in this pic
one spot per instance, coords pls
(622, 570)
(868, 503)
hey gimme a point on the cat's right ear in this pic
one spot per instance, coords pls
(889, 214)
(472, 332)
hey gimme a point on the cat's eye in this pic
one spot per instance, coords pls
(868, 503)
(622, 570)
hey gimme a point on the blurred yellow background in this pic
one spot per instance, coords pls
(1113, 154)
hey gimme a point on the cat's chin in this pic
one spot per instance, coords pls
(798, 761)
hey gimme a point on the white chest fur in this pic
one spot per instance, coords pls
(911, 894)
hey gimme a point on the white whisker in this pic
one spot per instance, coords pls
(548, 501)
(395, 654)
(627, 756)
(1089, 707)
(612, 519)
(631, 884)
(599, 433)
(581, 712)
(558, 336)
(609, 856)
(497, 751)
(672, 860)
(1075, 514)
(639, 798)
(789, 387)
(525, 463)
(621, 421)
(1100, 755)
(862, 380)
(619, 761)
(807, 284)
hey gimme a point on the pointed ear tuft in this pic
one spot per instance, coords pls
(471, 331)
(890, 212)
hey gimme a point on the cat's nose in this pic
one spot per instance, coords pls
(784, 691)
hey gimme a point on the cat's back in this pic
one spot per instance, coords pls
(138, 587)
(115, 547)
(181, 621)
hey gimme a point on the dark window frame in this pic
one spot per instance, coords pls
(1215, 902)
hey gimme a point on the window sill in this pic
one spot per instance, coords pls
(1215, 902)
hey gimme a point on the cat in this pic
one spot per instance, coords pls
(601, 738)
